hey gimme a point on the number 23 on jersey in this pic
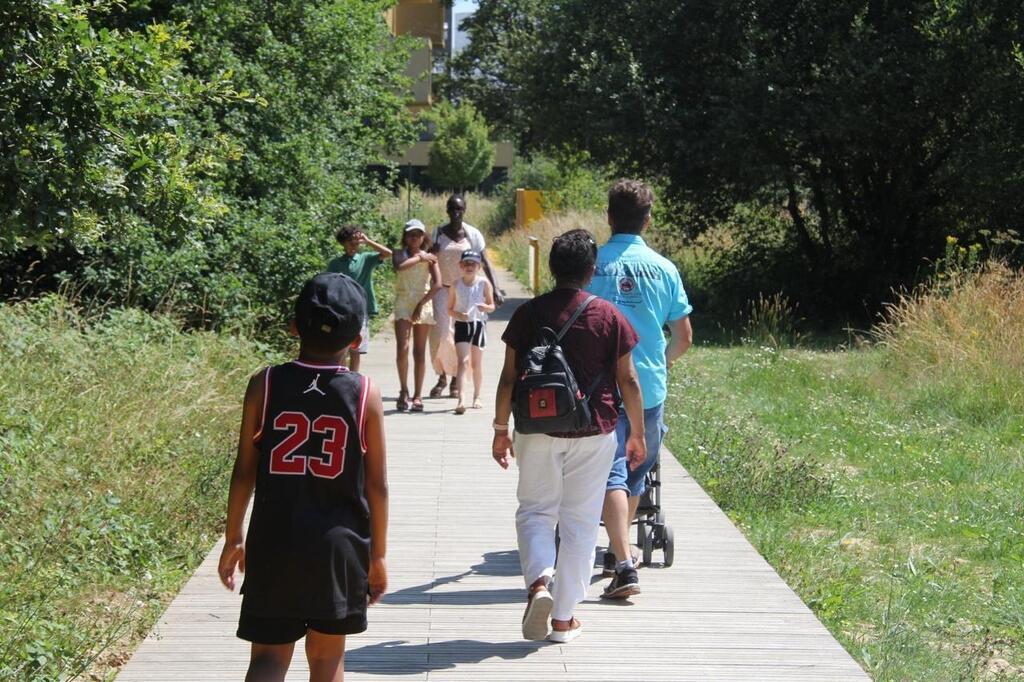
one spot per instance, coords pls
(284, 458)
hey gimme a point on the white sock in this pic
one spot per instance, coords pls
(628, 563)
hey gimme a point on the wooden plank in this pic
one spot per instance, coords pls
(720, 613)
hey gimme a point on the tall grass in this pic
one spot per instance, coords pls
(116, 437)
(430, 208)
(962, 338)
(512, 247)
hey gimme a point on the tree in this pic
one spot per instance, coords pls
(879, 128)
(462, 154)
(193, 155)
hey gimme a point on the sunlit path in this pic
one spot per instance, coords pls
(456, 598)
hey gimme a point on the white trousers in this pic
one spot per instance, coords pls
(561, 481)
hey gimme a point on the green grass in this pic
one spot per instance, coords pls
(117, 435)
(896, 513)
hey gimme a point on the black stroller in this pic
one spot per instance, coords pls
(651, 530)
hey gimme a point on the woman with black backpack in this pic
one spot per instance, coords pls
(568, 358)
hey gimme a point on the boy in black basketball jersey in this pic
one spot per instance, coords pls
(312, 445)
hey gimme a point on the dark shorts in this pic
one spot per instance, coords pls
(259, 630)
(471, 332)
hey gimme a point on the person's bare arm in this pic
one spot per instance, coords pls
(681, 340)
(452, 313)
(501, 447)
(376, 493)
(488, 305)
(402, 261)
(384, 251)
(632, 400)
(243, 480)
(498, 298)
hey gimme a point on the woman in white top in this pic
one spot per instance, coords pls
(450, 240)
(470, 298)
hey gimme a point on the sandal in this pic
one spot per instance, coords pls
(460, 409)
(477, 405)
(538, 608)
(417, 405)
(563, 636)
(438, 390)
(403, 401)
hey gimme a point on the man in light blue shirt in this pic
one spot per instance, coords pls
(647, 289)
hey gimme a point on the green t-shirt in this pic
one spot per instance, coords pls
(360, 268)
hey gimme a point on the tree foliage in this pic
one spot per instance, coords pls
(878, 127)
(462, 154)
(190, 155)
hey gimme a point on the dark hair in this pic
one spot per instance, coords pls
(572, 256)
(424, 245)
(346, 232)
(455, 197)
(629, 204)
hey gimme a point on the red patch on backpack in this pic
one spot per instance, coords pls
(542, 403)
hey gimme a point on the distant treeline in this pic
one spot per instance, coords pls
(874, 129)
(192, 155)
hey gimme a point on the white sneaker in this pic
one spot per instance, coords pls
(563, 636)
(538, 610)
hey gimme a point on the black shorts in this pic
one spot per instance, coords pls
(471, 332)
(259, 630)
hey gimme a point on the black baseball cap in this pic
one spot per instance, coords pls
(330, 310)
(471, 255)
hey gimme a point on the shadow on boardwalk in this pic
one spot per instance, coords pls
(499, 564)
(401, 658)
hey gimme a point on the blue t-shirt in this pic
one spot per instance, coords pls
(647, 289)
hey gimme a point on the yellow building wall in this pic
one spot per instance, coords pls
(420, 18)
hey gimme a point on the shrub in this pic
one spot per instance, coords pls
(462, 154)
(568, 182)
(192, 156)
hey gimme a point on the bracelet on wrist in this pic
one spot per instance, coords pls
(500, 427)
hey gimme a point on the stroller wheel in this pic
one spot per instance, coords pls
(670, 546)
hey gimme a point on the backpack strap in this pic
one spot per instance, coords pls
(573, 318)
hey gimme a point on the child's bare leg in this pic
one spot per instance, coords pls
(326, 656)
(477, 359)
(420, 332)
(462, 350)
(402, 329)
(269, 662)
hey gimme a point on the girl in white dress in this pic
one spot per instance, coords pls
(470, 298)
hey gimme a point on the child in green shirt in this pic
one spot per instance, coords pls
(359, 266)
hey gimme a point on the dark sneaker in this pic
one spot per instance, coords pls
(624, 584)
(608, 564)
(609, 561)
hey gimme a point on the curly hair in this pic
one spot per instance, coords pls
(572, 256)
(629, 204)
(346, 232)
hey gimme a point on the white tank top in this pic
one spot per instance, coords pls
(468, 297)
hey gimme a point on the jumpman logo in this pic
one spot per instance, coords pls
(313, 386)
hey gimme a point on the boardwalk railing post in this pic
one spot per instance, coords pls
(534, 260)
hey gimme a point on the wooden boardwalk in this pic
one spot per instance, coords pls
(720, 613)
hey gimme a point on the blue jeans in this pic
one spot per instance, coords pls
(633, 482)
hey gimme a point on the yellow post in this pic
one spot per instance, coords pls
(528, 207)
(534, 265)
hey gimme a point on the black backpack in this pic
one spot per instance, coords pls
(546, 398)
